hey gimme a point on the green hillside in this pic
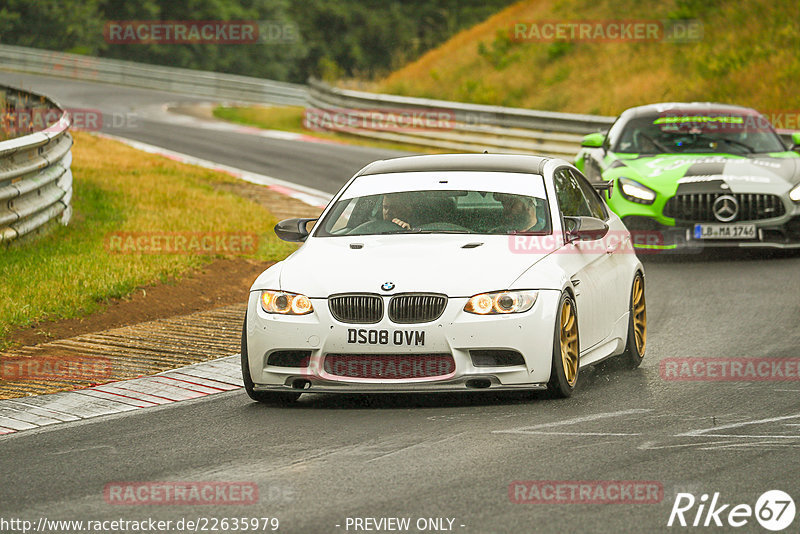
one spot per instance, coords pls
(748, 55)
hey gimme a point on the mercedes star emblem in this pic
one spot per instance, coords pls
(725, 208)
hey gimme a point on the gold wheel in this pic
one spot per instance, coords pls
(569, 342)
(639, 311)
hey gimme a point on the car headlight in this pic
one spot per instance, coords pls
(794, 194)
(285, 303)
(501, 302)
(636, 192)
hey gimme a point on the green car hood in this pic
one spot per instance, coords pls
(710, 173)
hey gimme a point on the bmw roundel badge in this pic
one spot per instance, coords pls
(387, 286)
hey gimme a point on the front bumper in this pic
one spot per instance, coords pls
(455, 333)
(647, 234)
(473, 383)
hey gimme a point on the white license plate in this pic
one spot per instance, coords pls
(371, 336)
(724, 231)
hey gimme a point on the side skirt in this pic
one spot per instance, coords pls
(612, 345)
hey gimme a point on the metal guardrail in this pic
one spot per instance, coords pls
(185, 81)
(472, 127)
(35, 175)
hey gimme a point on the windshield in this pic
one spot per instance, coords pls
(437, 212)
(683, 132)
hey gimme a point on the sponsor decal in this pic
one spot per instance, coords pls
(690, 179)
(718, 167)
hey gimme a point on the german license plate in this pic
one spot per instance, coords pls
(371, 336)
(724, 231)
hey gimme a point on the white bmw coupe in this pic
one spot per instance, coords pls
(447, 273)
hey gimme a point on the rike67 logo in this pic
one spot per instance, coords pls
(774, 510)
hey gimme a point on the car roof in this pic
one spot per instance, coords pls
(459, 162)
(687, 107)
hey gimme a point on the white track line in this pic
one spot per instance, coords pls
(708, 431)
(307, 195)
(575, 420)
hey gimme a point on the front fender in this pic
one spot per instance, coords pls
(269, 279)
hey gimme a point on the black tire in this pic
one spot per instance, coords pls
(636, 342)
(266, 397)
(566, 359)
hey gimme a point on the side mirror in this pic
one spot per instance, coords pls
(796, 141)
(293, 229)
(604, 187)
(593, 140)
(584, 229)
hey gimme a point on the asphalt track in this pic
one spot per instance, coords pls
(327, 459)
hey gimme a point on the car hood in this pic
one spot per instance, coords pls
(712, 173)
(425, 263)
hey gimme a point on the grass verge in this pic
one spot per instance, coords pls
(71, 272)
(745, 53)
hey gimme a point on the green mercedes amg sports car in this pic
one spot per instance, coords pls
(697, 175)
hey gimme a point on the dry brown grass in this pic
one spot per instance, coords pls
(748, 56)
